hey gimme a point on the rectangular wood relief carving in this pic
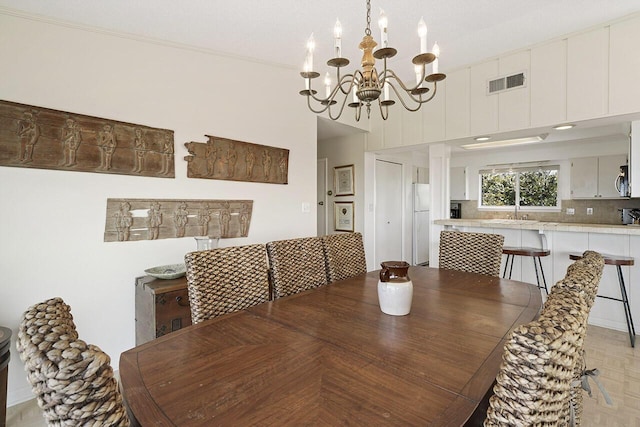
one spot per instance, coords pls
(152, 219)
(221, 158)
(36, 137)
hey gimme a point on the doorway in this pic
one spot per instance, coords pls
(388, 211)
(321, 199)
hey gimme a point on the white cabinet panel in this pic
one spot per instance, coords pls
(457, 104)
(588, 75)
(608, 170)
(584, 178)
(484, 108)
(634, 279)
(411, 126)
(593, 177)
(548, 83)
(624, 66)
(433, 115)
(514, 104)
(606, 312)
(458, 182)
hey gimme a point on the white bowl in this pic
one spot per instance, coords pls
(172, 271)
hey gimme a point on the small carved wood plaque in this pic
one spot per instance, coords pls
(35, 137)
(221, 158)
(152, 219)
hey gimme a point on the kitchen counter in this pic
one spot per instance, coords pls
(542, 226)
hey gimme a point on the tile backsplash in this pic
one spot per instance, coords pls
(604, 211)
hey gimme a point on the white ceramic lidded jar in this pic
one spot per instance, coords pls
(395, 290)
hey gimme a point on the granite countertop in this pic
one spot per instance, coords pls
(542, 226)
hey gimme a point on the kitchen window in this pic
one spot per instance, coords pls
(531, 188)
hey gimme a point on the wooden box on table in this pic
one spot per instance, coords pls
(162, 306)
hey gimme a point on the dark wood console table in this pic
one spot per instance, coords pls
(5, 355)
(162, 306)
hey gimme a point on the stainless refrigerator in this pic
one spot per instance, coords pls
(421, 200)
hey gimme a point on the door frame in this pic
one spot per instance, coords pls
(323, 165)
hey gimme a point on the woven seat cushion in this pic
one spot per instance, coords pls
(73, 381)
(471, 252)
(225, 280)
(344, 256)
(296, 265)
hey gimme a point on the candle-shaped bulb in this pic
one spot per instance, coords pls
(383, 23)
(386, 91)
(311, 46)
(418, 70)
(436, 52)
(337, 38)
(327, 85)
(355, 92)
(422, 33)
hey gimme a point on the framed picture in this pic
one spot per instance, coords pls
(343, 180)
(343, 216)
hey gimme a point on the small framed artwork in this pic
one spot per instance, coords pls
(343, 180)
(343, 216)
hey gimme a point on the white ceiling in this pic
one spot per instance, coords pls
(467, 31)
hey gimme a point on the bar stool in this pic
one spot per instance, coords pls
(618, 261)
(511, 252)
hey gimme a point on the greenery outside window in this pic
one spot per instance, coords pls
(531, 188)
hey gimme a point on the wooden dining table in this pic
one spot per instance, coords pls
(330, 357)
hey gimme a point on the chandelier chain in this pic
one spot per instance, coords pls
(367, 31)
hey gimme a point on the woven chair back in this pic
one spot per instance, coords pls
(73, 381)
(471, 252)
(543, 361)
(533, 387)
(344, 255)
(296, 265)
(225, 280)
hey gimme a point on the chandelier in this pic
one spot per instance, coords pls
(366, 85)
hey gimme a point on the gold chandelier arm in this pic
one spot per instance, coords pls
(384, 112)
(404, 104)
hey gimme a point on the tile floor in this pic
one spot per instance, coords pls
(607, 350)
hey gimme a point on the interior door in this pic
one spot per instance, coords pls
(322, 197)
(388, 212)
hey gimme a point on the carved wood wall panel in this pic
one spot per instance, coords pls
(152, 219)
(227, 159)
(36, 137)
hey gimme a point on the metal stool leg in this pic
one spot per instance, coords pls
(627, 309)
(506, 265)
(544, 280)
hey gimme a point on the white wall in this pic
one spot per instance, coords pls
(52, 222)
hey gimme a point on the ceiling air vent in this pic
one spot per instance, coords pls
(501, 84)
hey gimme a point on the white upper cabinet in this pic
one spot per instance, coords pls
(484, 107)
(513, 104)
(457, 104)
(588, 75)
(594, 177)
(458, 183)
(548, 84)
(433, 115)
(624, 89)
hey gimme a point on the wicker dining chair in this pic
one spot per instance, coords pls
(533, 386)
(73, 381)
(581, 281)
(344, 255)
(296, 265)
(471, 252)
(224, 280)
